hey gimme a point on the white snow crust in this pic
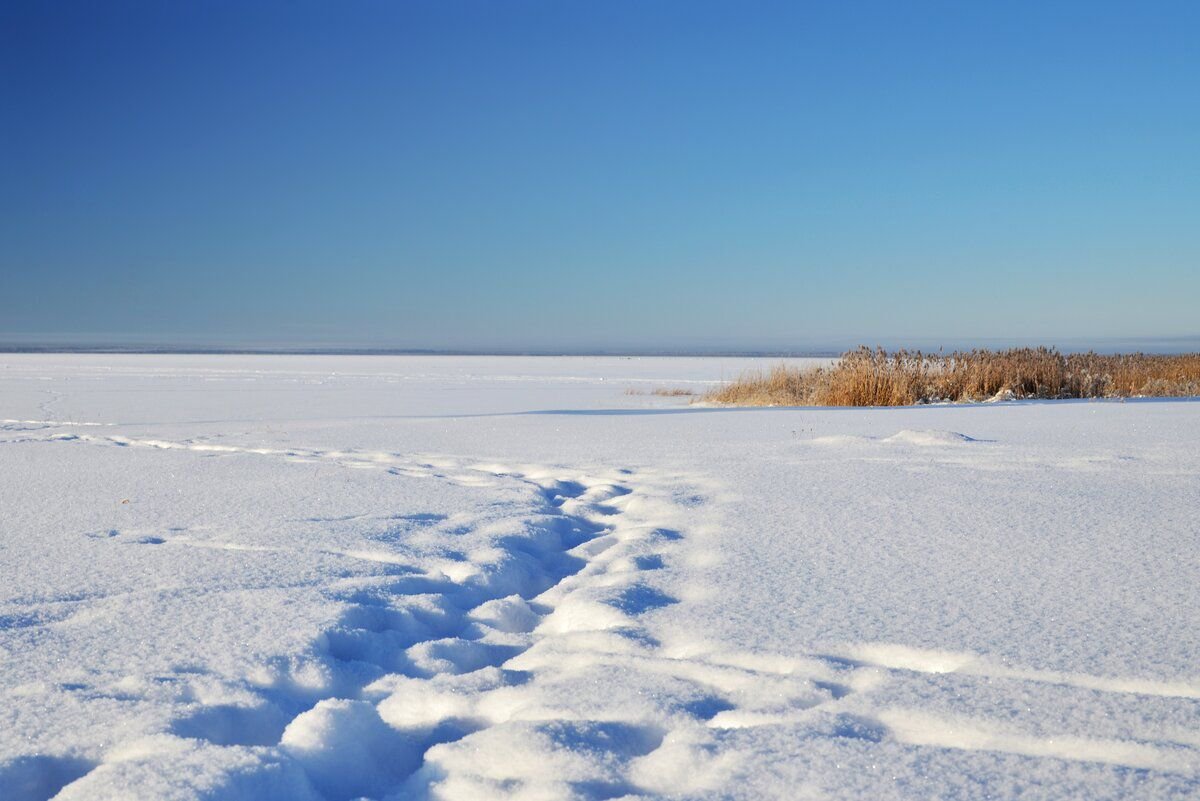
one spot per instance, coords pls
(321, 578)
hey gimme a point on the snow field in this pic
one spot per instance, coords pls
(238, 578)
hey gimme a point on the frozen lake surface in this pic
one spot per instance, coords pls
(327, 578)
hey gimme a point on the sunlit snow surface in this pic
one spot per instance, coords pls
(285, 577)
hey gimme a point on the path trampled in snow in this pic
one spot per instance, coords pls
(369, 712)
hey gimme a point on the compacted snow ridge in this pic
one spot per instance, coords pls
(329, 578)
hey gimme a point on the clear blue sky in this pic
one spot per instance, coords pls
(562, 174)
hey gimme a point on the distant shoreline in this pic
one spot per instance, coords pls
(1163, 346)
(181, 351)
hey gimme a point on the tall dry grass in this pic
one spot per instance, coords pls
(866, 377)
(662, 392)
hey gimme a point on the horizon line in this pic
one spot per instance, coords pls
(1162, 345)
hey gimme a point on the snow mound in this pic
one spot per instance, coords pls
(927, 437)
(511, 614)
(347, 750)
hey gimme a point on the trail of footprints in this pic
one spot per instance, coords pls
(441, 689)
(435, 674)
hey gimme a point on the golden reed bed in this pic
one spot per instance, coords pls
(866, 377)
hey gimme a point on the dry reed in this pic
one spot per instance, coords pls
(662, 392)
(866, 377)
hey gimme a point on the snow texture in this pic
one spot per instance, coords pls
(331, 578)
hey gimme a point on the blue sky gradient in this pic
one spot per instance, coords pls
(609, 175)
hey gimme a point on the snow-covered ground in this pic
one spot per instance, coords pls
(284, 577)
